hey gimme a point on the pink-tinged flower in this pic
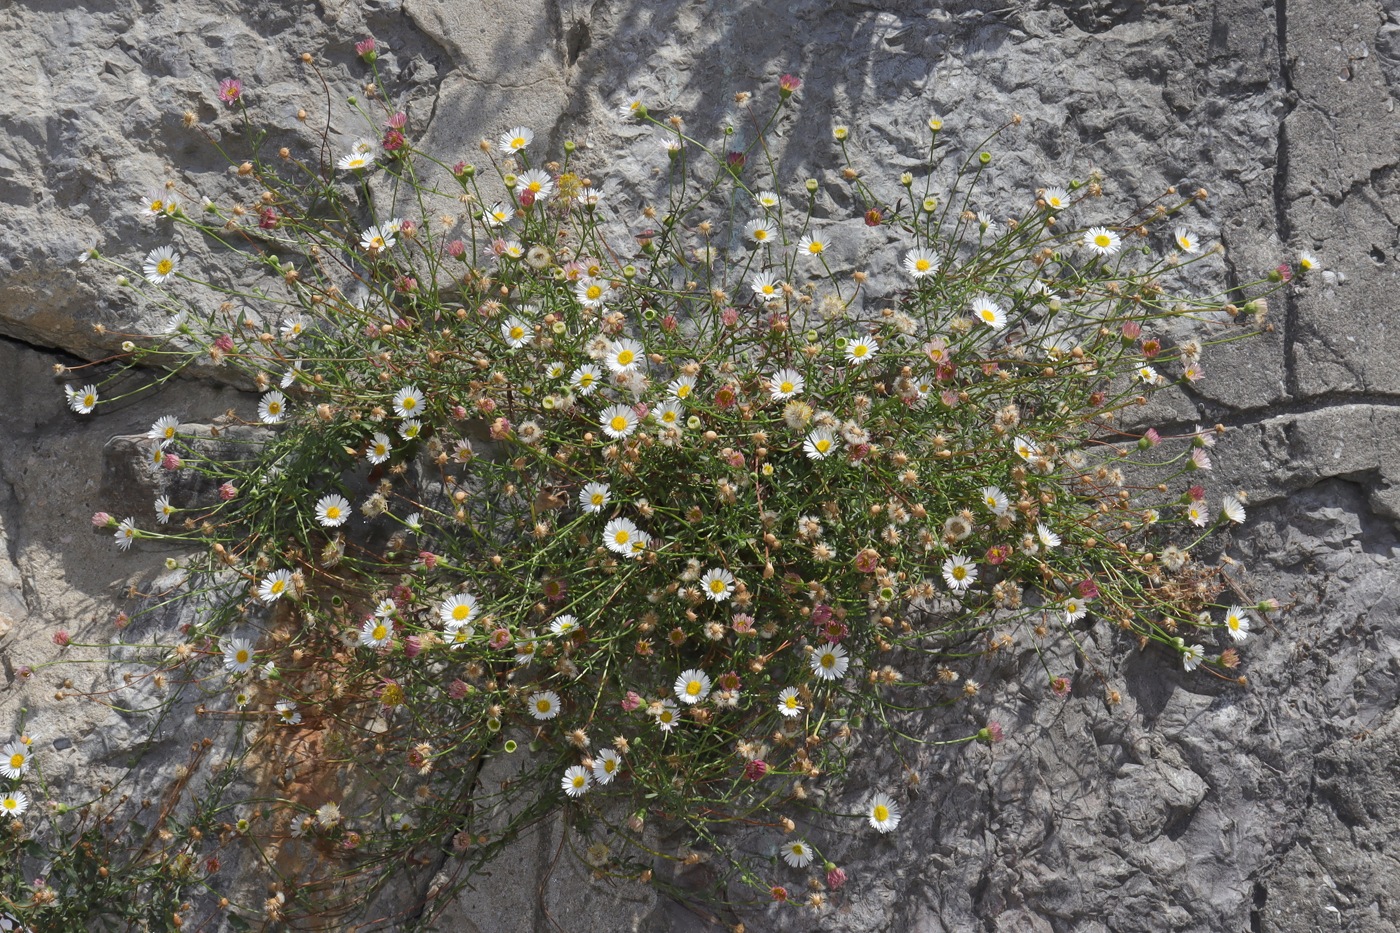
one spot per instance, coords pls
(729, 681)
(456, 249)
(991, 733)
(228, 491)
(230, 91)
(1150, 348)
(735, 161)
(412, 646)
(1059, 686)
(1284, 273)
(500, 429)
(729, 317)
(406, 284)
(102, 520)
(778, 893)
(787, 84)
(268, 219)
(835, 878)
(60, 637)
(669, 323)
(393, 141)
(457, 689)
(500, 638)
(526, 199)
(1087, 589)
(1132, 330)
(868, 560)
(998, 554)
(858, 452)
(1196, 493)
(486, 406)
(631, 701)
(459, 170)
(1151, 437)
(873, 217)
(555, 590)
(1200, 460)
(366, 49)
(743, 624)
(736, 460)
(224, 343)
(121, 621)
(726, 397)
(397, 122)
(822, 614)
(753, 770)
(428, 559)
(833, 630)
(171, 462)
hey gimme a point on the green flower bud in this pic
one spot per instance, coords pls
(985, 158)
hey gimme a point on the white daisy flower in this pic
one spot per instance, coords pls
(681, 387)
(988, 312)
(1186, 240)
(593, 496)
(790, 702)
(272, 408)
(919, 263)
(332, 510)
(377, 239)
(668, 716)
(618, 421)
(813, 245)
(829, 662)
(537, 182)
(287, 713)
(164, 509)
(692, 686)
(883, 813)
(1237, 623)
(126, 533)
(624, 355)
(718, 584)
(410, 429)
(959, 573)
(376, 632)
(408, 402)
(499, 215)
(620, 536)
(786, 383)
(671, 414)
(82, 401)
(861, 349)
(274, 586)
(585, 379)
(14, 804)
(576, 781)
(379, 448)
(606, 764)
(458, 609)
(14, 760)
(516, 138)
(165, 430)
(995, 500)
(797, 853)
(544, 704)
(1232, 508)
(1075, 608)
(591, 292)
(1057, 199)
(563, 624)
(819, 444)
(516, 333)
(1191, 657)
(768, 200)
(761, 230)
(160, 265)
(1047, 537)
(238, 656)
(1101, 241)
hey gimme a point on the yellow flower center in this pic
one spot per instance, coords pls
(815, 247)
(922, 264)
(1102, 241)
(683, 392)
(242, 656)
(622, 536)
(959, 572)
(692, 688)
(157, 205)
(460, 612)
(333, 512)
(596, 499)
(16, 761)
(859, 350)
(760, 234)
(517, 142)
(379, 633)
(882, 813)
(823, 446)
(786, 387)
(278, 586)
(542, 705)
(594, 292)
(619, 423)
(717, 586)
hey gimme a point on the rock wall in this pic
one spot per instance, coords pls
(1190, 806)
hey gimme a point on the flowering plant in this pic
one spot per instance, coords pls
(655, 515)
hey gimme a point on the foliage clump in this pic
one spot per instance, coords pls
(656, 515)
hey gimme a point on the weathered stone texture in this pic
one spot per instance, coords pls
(1192, 805)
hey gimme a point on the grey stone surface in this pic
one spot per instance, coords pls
(1190, 806)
